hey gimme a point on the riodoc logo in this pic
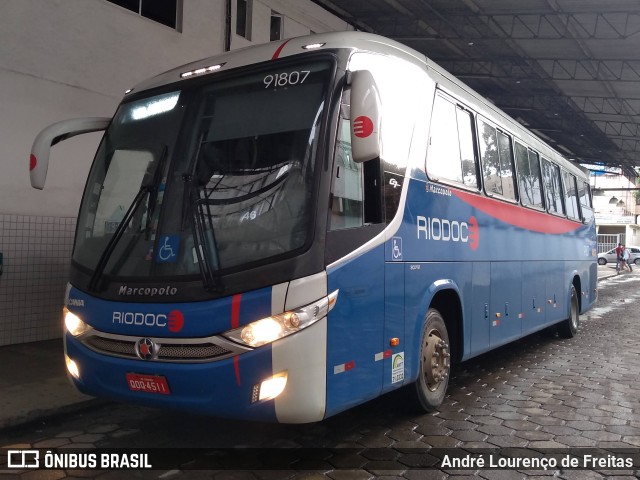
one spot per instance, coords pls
(173, 321)
(176, 321)
(445, 230)
(362, 127)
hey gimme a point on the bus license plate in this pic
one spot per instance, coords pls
(148, 383)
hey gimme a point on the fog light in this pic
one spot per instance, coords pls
(270, 388)
(72, 368)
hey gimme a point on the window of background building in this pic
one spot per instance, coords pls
(166, 12)
(243, 18)
(277, 22)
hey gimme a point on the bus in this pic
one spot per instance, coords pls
(283, 232)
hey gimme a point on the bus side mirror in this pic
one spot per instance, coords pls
(365, 117)
(57, 132)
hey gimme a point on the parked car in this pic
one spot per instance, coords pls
(610, 256)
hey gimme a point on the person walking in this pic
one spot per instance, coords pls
(619, 251)
(626, 256)
(624, 265)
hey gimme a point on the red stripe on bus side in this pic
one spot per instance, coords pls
(235, 323)
(277, 52)
(518, 216)
(236, 367)
(235, 310)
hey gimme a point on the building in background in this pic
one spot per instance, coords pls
(617, 206)
(61, 59)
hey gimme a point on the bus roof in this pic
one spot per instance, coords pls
(354, 40)
(284, 48)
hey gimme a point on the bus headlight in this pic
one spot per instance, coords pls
(74, 324)
(269, 329)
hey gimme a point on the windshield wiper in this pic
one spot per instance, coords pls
(149, 187)
(203, 238)
(117, 235)
(153, 192)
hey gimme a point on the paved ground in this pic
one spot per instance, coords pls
(33, 383)
(537, 394)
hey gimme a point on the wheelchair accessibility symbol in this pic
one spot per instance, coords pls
(168, 250)
(396, 249)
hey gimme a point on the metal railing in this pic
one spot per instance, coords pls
(608, 241)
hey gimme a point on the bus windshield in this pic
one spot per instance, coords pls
(220, 173)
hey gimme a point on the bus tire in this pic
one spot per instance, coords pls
(569, 327)
(435, 362)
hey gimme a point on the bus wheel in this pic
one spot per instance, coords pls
(569, 327)
(433, 376)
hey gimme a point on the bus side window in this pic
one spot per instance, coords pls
(497, 161)
(536, 179)
(571, 195)
(451, 154)
(467, 151)
(553, 192)
(585, 201)
(490, 160)
(507, 171)
(529, 178)
(443, 159)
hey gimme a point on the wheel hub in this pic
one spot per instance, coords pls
(436, 361)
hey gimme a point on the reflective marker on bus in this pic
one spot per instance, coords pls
(282, 232)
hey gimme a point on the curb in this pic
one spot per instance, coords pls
(605, 277)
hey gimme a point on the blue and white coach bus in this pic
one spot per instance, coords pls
(286, 231)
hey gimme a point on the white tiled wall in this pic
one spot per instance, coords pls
(37, 254)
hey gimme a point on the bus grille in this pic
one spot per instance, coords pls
(181, 352)
(195, 352)
(108, 346)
